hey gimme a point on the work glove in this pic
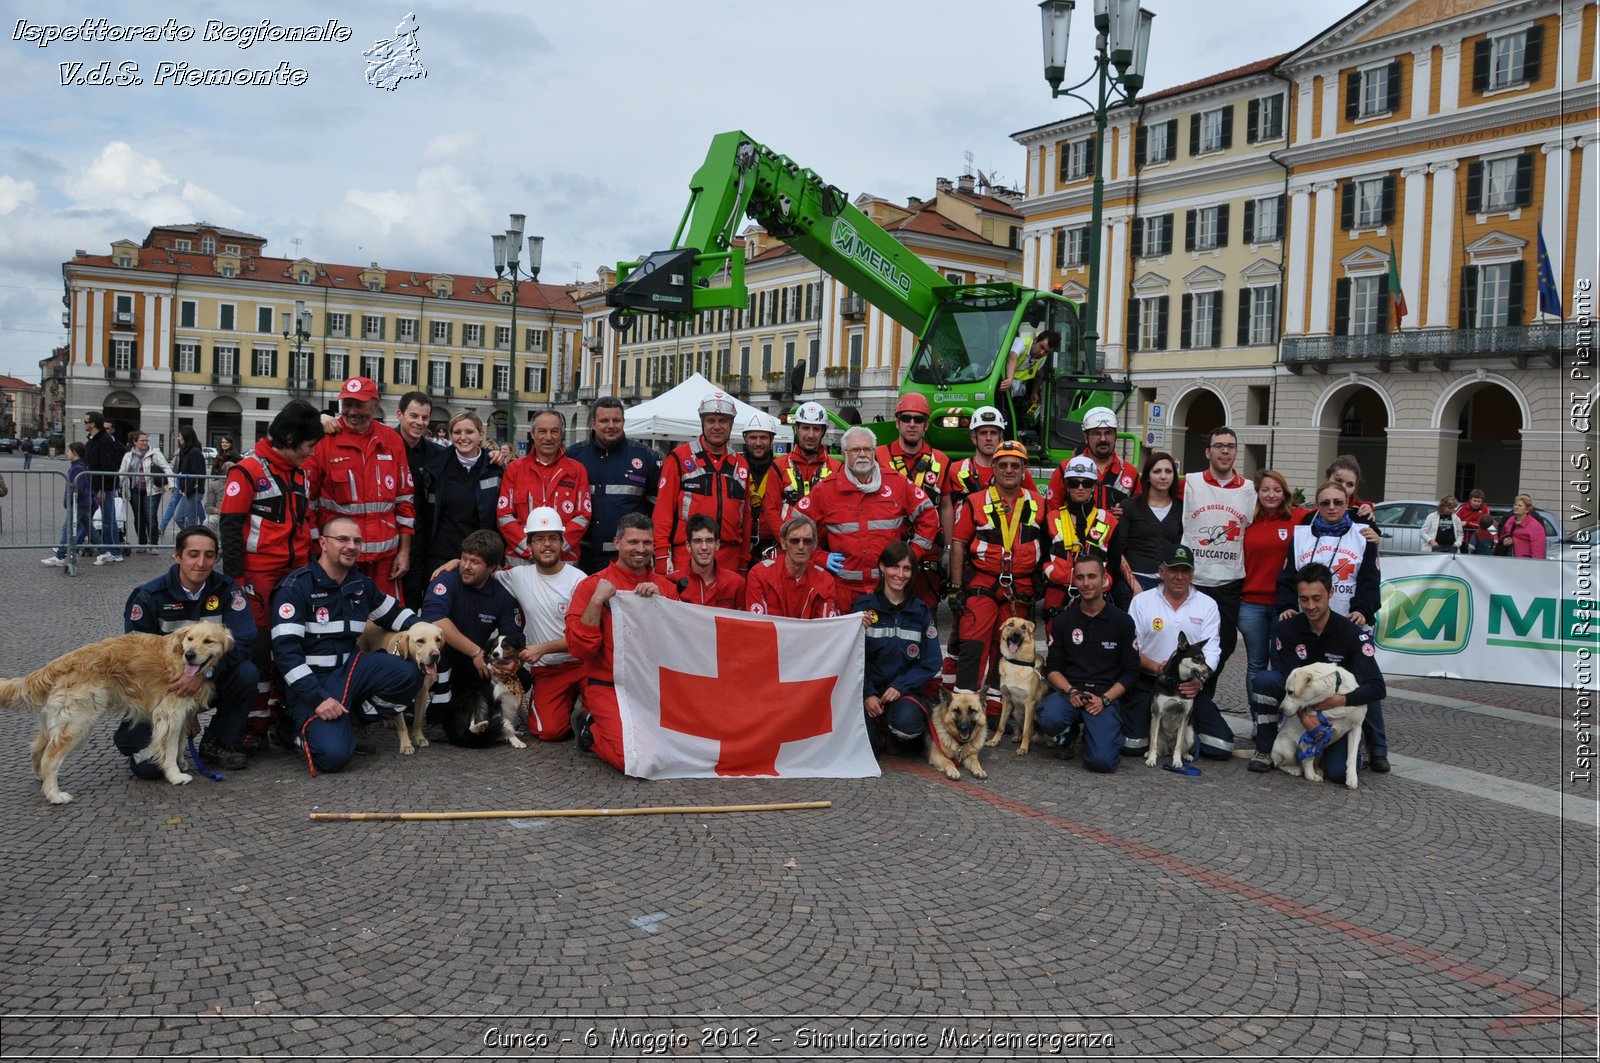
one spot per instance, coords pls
(836, 562)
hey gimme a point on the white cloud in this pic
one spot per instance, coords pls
(14, 193)
(138, 186)
(407, 227)
(449, 146)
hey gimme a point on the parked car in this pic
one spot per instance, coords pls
(1400, 522)
(8, 445)
(41, 445)
(209, 453)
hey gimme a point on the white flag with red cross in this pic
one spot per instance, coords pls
(707, 693)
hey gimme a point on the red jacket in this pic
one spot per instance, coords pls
(1118, 481)
(693, 481)
(965, 477)
(265, 517)
(926, 470)
(978, 526)
(859, 525)
(529, 483)
(593, 646)
(1266, 544)
(771, 591)
(367, 478)
(793, 478)
(725, 591)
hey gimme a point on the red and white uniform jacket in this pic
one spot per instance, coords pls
(368, 479)
(529, 483)
(1119, 481)
(771, 591)
(265, 524)
(859, 524)
(1073, 534)
(594, 645)
(725, 591)
(793, 477)
(965, 477)
(1002, 539)
(693, 481)
(926, 469)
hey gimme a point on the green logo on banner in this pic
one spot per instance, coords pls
(1425, 614)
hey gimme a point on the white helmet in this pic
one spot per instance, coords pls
(761, 422)
(544, 519)
(1099, 417)
(811, 413)
(987, 417)
(717, 402)
(1081, 467)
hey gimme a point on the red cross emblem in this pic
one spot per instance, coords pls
(747, 675)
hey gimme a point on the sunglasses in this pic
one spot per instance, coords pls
(1080, 483)
(801, 542)
(1332, 502)
(911, 418)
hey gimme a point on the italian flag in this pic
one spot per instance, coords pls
(1395, 292)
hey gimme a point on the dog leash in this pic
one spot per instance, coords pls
(200, 765)
(344, 696)
(1314, 741)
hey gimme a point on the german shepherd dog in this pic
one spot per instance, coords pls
(1021, 681)
(1172, 714)
(956, 733)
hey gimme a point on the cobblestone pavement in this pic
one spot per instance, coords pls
(1447, 909)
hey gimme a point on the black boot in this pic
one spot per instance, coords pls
(217, 755)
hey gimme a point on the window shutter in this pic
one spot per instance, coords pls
(383, 328)
(1252, 119)
(1244, 317)
(1063, 157)
(1347, 205)
(1166, 234)
(1138, 237)
(1474, 187)
(1141, 143)
(1227, 126)
(1352, 96)
(1088, 163)
(133, 345)
(1514, 295)
(1186, 329)
(1222, 225)
(327, 327)
(1188, 230)
(1393, 86)
(1162, 306)
(1194, 134)
(1532, 52)
(1480, 66)
(1388, 199)
(1341, 307)
(1134, 306)
(1469, 298)
(1061, 248)
(450, 334)
(1383, 303)
(273, 362)
(1250, 221)
(1172, 139)
(1216, 319)
(1524, 194)
(1283, 216)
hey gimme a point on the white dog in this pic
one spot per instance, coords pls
(1311, 685)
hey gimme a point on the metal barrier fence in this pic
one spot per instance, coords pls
(41, 512)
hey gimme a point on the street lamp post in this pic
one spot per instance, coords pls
(298, 327)
(506, 249)
(1121, 43)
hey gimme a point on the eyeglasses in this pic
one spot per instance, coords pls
(1080, 483)
(1332, 502)
(346, 540)
(801, 542)
(911, 418)
(1008, 466)
(1224, 446)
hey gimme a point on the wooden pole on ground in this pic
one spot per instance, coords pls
(555, 813)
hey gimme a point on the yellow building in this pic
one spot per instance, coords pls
(197, 326)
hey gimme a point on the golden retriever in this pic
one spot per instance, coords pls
(1021, 681)
(956, 734)
(132, 673)
(421, 644)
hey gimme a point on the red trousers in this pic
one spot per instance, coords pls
(555, 689)
(379, 568)
(601, 701)
(980, 628)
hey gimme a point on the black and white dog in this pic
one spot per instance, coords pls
(485, 710)
(1172, 714)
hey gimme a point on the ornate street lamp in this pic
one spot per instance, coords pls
(299, 327)
(506, 249)
(1121, 43)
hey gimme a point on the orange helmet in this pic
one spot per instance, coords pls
(1011, 449)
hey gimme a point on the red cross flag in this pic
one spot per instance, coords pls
(712, 692)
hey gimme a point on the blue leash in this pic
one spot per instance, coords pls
(200, 765)
(1314, 741)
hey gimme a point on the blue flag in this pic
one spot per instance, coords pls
(1549, 294)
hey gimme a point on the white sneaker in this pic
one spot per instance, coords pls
(116, 559)
(53, 561)
(103, 559)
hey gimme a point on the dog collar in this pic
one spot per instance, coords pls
(1015, 660)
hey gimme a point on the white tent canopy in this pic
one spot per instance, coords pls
(676, 414)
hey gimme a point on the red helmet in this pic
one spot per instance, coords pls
(912, 402)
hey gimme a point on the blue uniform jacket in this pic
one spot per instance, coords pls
(1341, 643)
(902, 645)
(161, 606)
(487, 494)
(621, 480)
(477, 612)
(315, 624)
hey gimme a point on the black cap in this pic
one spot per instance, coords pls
(1178, 557)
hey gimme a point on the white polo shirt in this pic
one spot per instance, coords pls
(544, 604)
(1156, 623)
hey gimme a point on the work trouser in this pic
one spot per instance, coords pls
(1266, 701)
(1213, 736)
(556, 689)
(906, 718)
(600, 699)
(381, 570)
(979, 627)
(1102, 732)
(1227, 596)
(386, 683)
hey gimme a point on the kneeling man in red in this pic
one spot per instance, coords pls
(679, 691)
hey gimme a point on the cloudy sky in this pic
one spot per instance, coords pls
(587, 118)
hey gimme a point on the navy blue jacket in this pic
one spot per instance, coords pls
(162, 606)
(1099, 651)
(485, 471)
(477, 612)
(622, 480)
(902, 645)
(1341, 643)
(316, 622)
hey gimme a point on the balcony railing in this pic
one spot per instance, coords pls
(1438, 347)
(224, 380)
(441, 391)
(736, 384)
(302, 385)
(564, 395)
(130, 375)
(630, 392)
(852, 306)
(842, 380)
(500, 394)
(586, 394)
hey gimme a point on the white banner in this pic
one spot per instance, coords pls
(713, 692)
(1500, 619)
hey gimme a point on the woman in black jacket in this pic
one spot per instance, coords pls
(191, 482)
(462, 484)
(1151, 521)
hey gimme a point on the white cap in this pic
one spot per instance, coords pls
(1081, 467)
(811, 413)
(1099, 417)
(761, 422)
(987, 417)
(544, 519)
(717, 402)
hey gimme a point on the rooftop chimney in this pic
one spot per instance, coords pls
(914, 202)
(944, 184)
(966, 181)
